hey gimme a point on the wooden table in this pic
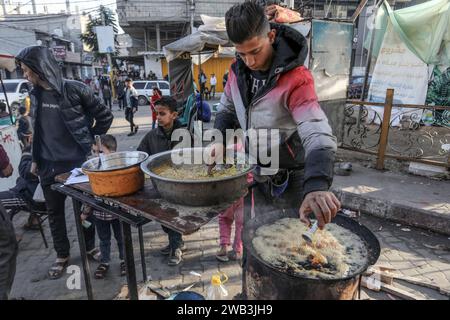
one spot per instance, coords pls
(134, 210)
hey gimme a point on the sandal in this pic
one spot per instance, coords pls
(101, 271)
(57, 268)
(94, 254)
(123, 269)
(222, 255)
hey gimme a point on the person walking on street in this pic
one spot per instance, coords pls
(131, 105)
(107, 96)
(95, 86)
(8, 241)
(24, 128)
(213, 82)
(225, 79)
(66, 115)
(202, 80)
(120, 90)
(5, 119)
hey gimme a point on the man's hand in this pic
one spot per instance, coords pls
(214, 155)
(324, 204)
(134, 110)
(33, 168)
(279, 14)
(8, 171)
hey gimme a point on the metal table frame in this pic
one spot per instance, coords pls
(127, 220)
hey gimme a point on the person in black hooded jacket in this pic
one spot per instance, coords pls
(63, 113)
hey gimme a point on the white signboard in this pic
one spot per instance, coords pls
(331, 55)
(105, 39)
(399, 69)
(10, 142)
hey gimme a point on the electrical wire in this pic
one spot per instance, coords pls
(18, 6)
(86, 10)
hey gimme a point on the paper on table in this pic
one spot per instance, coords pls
(77, 176)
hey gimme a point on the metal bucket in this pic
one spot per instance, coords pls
(119, 175)
(263, 281)
(205, 192)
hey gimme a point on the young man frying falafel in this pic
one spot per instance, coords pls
(269, 88)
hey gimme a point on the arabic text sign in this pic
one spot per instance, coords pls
(399, 69)
(59, 52)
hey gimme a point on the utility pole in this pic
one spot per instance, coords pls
(192, 15)
(291, 4)
(68, 6)
(33, 4)
(108, 55)
(3, 7)
(158, 38)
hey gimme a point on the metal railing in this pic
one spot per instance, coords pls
(403, 133)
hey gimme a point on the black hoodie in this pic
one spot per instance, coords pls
(78, 105)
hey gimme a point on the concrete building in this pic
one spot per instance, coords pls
(153, 24)
(12, 40)
(61, 32)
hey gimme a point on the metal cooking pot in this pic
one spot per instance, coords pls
(205, 192)
(264, 281)
(119, 174)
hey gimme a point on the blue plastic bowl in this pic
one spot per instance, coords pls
(187, 295)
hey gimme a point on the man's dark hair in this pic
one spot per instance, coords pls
(167, 102)
(128, 80)
(245, 21)
(264, 3)
(2, 106)
(22, 110)
(109, 141)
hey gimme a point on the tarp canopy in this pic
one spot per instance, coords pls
(211, 36)
(424, 28)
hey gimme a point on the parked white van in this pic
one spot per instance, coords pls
(16, 90)
(144, 89)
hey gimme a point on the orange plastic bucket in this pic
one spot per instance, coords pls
(116, 183)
